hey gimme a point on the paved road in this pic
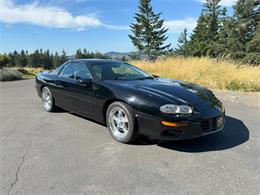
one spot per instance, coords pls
(61, 153)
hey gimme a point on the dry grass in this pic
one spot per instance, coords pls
(210, 73)
(10, 75)
(18, 73)
(29, 72)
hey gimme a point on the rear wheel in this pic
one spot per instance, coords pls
(121, 122)
(47, 100)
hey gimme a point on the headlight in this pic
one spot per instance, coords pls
(176, 109)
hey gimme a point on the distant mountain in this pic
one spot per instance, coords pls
(118, 55)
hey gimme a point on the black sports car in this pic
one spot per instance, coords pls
(130, 101)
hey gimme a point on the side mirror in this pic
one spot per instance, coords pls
(85, 82)
(156, 76)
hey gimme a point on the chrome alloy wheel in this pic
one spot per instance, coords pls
(46, 99)
(118, 122)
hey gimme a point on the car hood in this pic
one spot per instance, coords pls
(178, 92)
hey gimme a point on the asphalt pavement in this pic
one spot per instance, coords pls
(62, 153)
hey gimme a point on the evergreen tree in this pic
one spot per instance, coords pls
(212, 12)
(149, 35)
(225, 24)
(35, 59)
(205, 36)
(183, 43)
(15, 58)
(56, 61)
(47, 60)
(198, 42)
(245, 19)
(23, 61)
(247, 14)
(63, 57)
(253, 48)
(4, 60)
(11, 59)
(79, 54)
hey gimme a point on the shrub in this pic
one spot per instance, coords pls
(252, 58)
(237, 55)
(4, 59)
(10, 75)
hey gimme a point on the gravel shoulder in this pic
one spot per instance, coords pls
(251, 99)
(62, 153)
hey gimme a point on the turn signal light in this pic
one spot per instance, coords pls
(172, 124)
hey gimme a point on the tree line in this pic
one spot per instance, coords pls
(216, 35)
(43, 58)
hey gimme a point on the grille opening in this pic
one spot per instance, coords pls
(206, 125)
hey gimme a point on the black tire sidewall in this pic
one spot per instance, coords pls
(131, 120)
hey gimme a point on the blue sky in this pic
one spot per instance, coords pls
(97, 25)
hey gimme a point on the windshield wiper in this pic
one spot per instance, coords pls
(143, 78)
(117, 78)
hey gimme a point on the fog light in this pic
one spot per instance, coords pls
(220, 121)
(172, 124)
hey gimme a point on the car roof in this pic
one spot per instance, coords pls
(92, 61)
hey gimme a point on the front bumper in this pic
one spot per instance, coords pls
(196, 127)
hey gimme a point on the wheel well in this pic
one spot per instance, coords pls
(42, 87)
(107, 104)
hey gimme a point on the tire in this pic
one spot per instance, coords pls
(47, 100)
(120, 120)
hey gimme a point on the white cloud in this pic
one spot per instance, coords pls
(116, 27)
(177, 26)
(226, 3)
(47, 16)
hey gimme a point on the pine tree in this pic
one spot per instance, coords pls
(245, 19)
(4, 60)
(56, 61)
(224, 27)
(47, 60)
(35, 59)
(212, 12)
(149, 35)
(79, 54)
(205, 36)
(183, 43)
(63, 57)
(23, 59)
(247, 14)
(198, 41)
(253, 49)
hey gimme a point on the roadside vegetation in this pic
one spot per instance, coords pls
(222, 52)
(18, 73)
(10, 75)
(207, 72)
(218, 34)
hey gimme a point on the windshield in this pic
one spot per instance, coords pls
(118, 71)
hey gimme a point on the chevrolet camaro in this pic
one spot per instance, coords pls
(130, 101)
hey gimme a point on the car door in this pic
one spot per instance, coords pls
(75, 91)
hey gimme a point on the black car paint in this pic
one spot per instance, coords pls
(144, 96)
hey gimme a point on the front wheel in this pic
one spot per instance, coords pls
(121, 122)
(47, 100)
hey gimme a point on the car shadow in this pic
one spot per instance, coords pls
(234, 133)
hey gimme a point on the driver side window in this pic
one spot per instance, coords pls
(76, 71)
